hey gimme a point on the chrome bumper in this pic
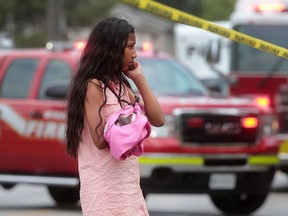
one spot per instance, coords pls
(42, 180)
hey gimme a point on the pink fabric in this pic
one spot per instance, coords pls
(108, 187)
(134, 133)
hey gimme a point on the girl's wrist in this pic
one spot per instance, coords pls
(138, 78)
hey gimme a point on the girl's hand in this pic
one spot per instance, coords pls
(135, 70)
(151, 105)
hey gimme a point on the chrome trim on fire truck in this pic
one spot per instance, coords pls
(223, 111)
(283, 158)
(146, 170)
(283, 151)
(44, 180)
(282, 137)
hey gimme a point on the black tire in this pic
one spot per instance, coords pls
(144, 194)
(8, 186)
(64, 196)
(238, 203)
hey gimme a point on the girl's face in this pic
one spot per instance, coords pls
(129, 52)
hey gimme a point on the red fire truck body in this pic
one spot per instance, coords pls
(224, 147)
(258, 74)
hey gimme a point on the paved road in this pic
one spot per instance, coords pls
(27, 200)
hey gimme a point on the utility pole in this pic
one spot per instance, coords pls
(56, 20)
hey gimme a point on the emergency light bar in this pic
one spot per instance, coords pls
(271, 7)
(58, 46)
(260, 11)
(262, 101)
(79, 45)
(147, 46)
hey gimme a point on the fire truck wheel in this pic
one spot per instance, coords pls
(64, 195)
(238, 203)
(144, 194)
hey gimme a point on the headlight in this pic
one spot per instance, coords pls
(270, 125)
(167, 130)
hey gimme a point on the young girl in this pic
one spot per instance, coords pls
(108, 187)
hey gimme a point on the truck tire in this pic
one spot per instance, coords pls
(144, 194)
(238, 203)
(63, 195)
(7, 186)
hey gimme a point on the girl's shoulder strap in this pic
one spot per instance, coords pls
(99, 84)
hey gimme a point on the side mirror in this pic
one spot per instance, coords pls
(213, 51)
(233, 81)
(214, 85)
(58, 91)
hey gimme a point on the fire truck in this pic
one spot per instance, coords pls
(264, 73)
(221, 146)
(243, 70)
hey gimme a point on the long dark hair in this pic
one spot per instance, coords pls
(102, 59)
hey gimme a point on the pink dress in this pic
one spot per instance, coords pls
(109, 187)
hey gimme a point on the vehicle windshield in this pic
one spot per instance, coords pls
(168, 77)
(246, 58)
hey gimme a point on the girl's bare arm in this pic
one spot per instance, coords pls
(93, 101)
(152, 107)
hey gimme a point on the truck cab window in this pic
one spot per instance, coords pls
(56, 72)
(251, 60)
(17, 81)
(168, 77)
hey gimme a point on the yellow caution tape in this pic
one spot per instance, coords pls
(188, 19)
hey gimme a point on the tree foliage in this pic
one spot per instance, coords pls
(190, 6)
(207, 9)
(27, 19)
(217, 10)
(85, 12)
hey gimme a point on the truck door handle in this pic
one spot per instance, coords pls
(36, 114)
